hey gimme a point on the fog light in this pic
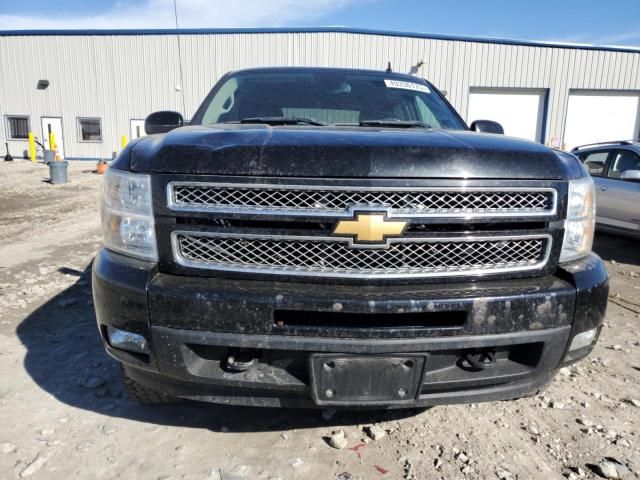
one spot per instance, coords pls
(583, 339)
(132, 342)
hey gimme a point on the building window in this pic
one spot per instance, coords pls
(89, 130)
(17, 127)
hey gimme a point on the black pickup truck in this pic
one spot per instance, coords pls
(340, 238)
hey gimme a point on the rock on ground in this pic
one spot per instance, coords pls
(375, 432)
(607, 470)
(337, 440)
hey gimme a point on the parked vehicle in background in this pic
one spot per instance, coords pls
(615, 168)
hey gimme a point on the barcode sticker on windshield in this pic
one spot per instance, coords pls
(406, 85)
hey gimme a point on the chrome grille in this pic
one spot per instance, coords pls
(326, 256)
(309, 200)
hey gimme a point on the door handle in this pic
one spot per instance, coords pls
(603, 189)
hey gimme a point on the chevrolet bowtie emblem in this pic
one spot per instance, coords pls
(370, 228)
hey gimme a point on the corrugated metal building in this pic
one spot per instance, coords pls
(92, 87)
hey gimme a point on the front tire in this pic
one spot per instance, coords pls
(144, 394)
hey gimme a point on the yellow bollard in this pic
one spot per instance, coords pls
(52, 141)
(123, 141)
(32, 147)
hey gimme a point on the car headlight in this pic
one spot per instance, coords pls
(127, 214)
(580, 223)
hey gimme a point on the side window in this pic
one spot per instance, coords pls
(221, 109)
(622, 161)
(426, 115)
(17, 127)
(89, 130)
(595, 163)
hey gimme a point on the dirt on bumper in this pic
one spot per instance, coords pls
(195, 324)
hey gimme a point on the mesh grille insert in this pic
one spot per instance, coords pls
(331, 257)
(327, 200)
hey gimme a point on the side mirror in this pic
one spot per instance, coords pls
(162, 122)
(630, 175)
(487, 126)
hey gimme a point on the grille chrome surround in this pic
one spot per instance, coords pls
(332, 257)
(322, 200)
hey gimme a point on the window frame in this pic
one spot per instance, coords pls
(612, 155)
(605, 167)
(79, 129)
(7, 128)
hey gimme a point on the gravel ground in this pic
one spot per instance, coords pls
(64, 414)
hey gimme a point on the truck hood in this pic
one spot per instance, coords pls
(305, 151)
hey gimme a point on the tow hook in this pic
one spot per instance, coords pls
(481, 360)
(241, 360)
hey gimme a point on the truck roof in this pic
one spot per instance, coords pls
(404, 76)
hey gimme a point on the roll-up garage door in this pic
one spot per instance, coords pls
(594, 116)
(520, 111)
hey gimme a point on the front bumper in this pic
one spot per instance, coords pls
(195, 324)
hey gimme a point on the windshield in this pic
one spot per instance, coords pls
(329, 97)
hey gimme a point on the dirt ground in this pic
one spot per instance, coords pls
(64, 414)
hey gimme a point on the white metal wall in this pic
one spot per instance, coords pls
(123, 77)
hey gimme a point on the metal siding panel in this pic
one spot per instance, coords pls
(464, 79)
(634, 81)
(626, 71)
(590, 69)
(609, 64)
(492, 73)
(512, 65)
(579, 68)
(601, 69)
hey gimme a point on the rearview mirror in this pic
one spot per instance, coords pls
(487, 126)
(631, 175)
(162, 122)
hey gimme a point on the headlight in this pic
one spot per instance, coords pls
(580, 223)
(127, 214)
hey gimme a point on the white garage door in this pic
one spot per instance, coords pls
(520, 112)
(600, 117)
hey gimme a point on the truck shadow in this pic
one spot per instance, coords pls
(616, 248)
(66, 359)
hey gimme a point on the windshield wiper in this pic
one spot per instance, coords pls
(394, 123)
(283, 121)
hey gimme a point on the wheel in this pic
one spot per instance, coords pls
(143, 394)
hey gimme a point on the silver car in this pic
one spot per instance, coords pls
(615, 168)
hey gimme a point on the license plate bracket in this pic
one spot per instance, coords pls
(366, 379)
